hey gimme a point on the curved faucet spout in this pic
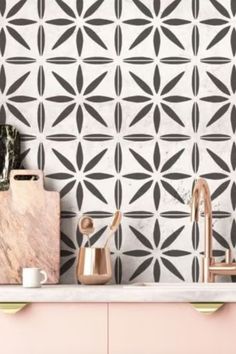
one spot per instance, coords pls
(201, 190)
(210, 268)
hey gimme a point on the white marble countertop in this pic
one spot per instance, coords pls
(160, 292)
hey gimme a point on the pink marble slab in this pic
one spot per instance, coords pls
(29, 228)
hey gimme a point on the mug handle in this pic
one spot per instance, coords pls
(45, 277)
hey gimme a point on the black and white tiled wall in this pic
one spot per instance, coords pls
(123, 103)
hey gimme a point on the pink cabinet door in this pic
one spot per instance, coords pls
(170, 329)
(55, 329)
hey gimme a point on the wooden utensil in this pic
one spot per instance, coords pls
(86, 227)
(114, 226)
(29, 227)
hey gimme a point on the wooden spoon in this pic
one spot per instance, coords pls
(86, 227)
(114, 226)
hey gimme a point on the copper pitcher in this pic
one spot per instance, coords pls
(94, 266)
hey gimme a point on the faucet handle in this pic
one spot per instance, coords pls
(228, 258)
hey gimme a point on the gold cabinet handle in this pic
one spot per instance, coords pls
(207, 308)
(12, 307)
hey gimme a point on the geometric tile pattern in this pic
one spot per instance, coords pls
(122, 104)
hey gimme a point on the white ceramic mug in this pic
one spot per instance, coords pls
(33, 277)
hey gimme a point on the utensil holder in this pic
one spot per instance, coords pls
(94, 266)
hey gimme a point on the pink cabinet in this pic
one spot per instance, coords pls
(55, 329)
(170, 329)
(125, 328)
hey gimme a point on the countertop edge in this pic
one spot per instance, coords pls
(167, 293)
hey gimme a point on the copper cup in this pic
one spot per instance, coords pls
(94, 266)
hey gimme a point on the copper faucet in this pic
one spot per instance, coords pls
(210, 268)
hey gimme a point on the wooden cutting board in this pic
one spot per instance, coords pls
(29, 228)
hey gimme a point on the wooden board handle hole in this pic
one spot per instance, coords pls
(26, 177)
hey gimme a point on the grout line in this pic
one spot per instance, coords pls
(119, 118)
(119, 157)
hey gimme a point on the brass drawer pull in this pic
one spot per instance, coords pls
(12, 307)
(207, 308)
